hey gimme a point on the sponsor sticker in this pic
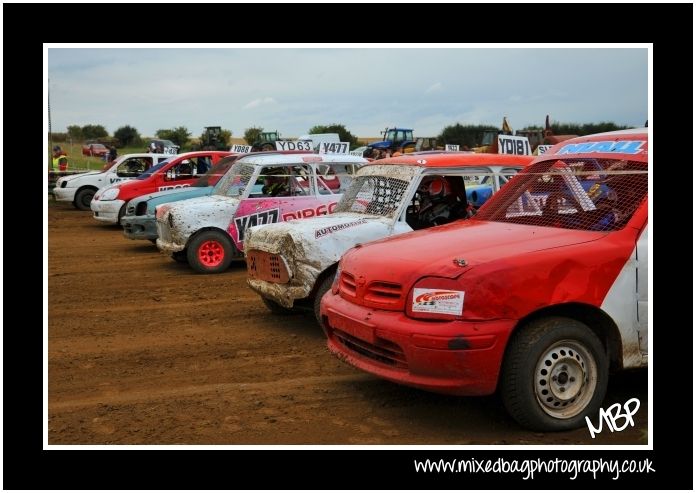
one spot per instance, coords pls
(610, 146)
(445, 301)
(542, 148)
(452, 148)
(318, 233)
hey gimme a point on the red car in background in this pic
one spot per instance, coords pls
(179, 171)
(96, 150)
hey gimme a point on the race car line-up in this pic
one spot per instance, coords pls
(454, 272)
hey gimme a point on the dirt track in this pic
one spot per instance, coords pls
(144, 351)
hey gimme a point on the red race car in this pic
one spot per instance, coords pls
(537, 296)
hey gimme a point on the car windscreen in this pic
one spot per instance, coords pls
(375, 195)
(215, 174)
(154, 169)
(235, 180)
(572, 193)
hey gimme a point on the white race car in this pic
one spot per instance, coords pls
(80, 188)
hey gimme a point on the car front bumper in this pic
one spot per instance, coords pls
(450, 357)
(64, 194)
(106, 210)
(140, 227)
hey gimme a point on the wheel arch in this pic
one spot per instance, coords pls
(217, 230)
(595, 318)
(328, 272)
(84, 187)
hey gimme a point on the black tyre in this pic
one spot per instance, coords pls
(321, 291)
(555, 373)
(83, 198)
(180, 256)
(210, 252)
(275, 308)
(121, 213)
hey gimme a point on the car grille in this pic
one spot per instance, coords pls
(383, 351)
(378, 294)
(267, 267)
(383, 293)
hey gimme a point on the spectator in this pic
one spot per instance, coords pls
(112, 153)
(60, 159)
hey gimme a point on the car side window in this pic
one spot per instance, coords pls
(132, 167)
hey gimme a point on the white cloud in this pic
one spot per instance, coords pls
(437, 87)
(259, 102)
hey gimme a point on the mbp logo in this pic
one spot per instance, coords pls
(265, 217)
(612, 414)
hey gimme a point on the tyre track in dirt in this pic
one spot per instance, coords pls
(143, 351)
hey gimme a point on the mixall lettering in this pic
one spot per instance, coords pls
(610, 146)
(265, 217)
(321, 210)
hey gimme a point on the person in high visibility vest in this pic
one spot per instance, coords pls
(60, 160)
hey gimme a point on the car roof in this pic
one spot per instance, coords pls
(452, 159)
(280, 159)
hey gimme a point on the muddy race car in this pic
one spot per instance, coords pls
(209, 232)
(295, 262)
(80, 188)
(537, 296)
(179, 171)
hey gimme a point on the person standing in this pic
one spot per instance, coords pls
(112, 154)
(60, 159)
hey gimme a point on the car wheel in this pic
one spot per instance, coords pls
(210, 252)
(555, 373)
(321, 291)
(276, 308)
(121, 213)
(84, 198)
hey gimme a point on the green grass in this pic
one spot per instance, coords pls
(77, 161)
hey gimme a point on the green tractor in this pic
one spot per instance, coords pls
(212, 140)
(266, 141)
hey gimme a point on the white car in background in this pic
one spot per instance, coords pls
(80, 188)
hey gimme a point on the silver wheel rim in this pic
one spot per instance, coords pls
(565, 379)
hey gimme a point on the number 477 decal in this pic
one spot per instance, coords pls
(333, 148)
(264, 217)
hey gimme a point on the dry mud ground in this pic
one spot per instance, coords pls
(141, 350)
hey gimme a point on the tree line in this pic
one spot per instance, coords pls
(464, 135)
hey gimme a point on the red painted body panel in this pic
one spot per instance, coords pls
(134, 188)
(505, 270)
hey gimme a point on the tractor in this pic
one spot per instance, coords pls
(394, 139)
(266, 141)
(211, 140)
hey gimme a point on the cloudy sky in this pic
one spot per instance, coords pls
(366, 89)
